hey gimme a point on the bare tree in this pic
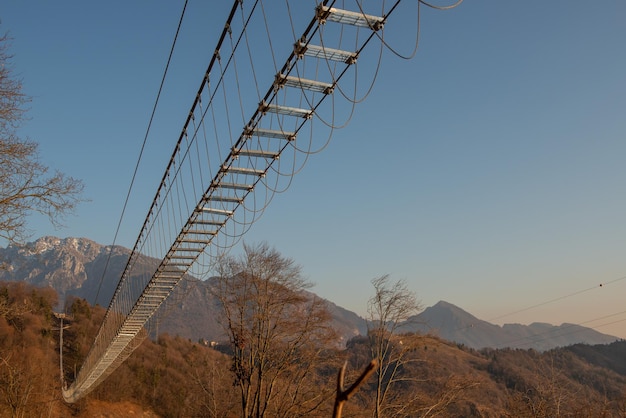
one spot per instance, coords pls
(278, 333)
(391, 305)
(25, 184)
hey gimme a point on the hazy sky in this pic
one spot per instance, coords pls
(489, 171)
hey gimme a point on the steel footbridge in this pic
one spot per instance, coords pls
(253, 123)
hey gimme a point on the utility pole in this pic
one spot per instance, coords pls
(61, 317)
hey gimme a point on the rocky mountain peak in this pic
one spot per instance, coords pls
(65, 264)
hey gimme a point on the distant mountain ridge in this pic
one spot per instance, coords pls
(74, 266)
(451, 323)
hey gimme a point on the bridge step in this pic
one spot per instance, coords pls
(301, 49)
(189, 249)
(216, 211)
(165, 269)
(233, 186)
(270, 133)
(165, 286)
(285, 110)
(179, 264)
(153, 296)
(193, 241)
(256, 153)
(183, 257)
(228, 199)
(242, 170)
(208, 222)
(201, 232)
(302, 83)
(166, 278)
(346, 17)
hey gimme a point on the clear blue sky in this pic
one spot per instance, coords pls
(489, 171)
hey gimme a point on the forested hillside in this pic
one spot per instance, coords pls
(176, 377)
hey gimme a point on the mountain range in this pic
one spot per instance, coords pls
(75, 266)
(452, 323)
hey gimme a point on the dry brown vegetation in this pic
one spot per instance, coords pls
(175, 377)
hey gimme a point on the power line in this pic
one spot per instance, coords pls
(532, 337)
(557, 299)
(547, 335)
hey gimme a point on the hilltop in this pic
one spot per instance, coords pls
(454, 324)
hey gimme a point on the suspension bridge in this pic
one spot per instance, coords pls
(253, 123)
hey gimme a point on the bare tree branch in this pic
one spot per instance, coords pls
(26, 187)
(344, 395)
